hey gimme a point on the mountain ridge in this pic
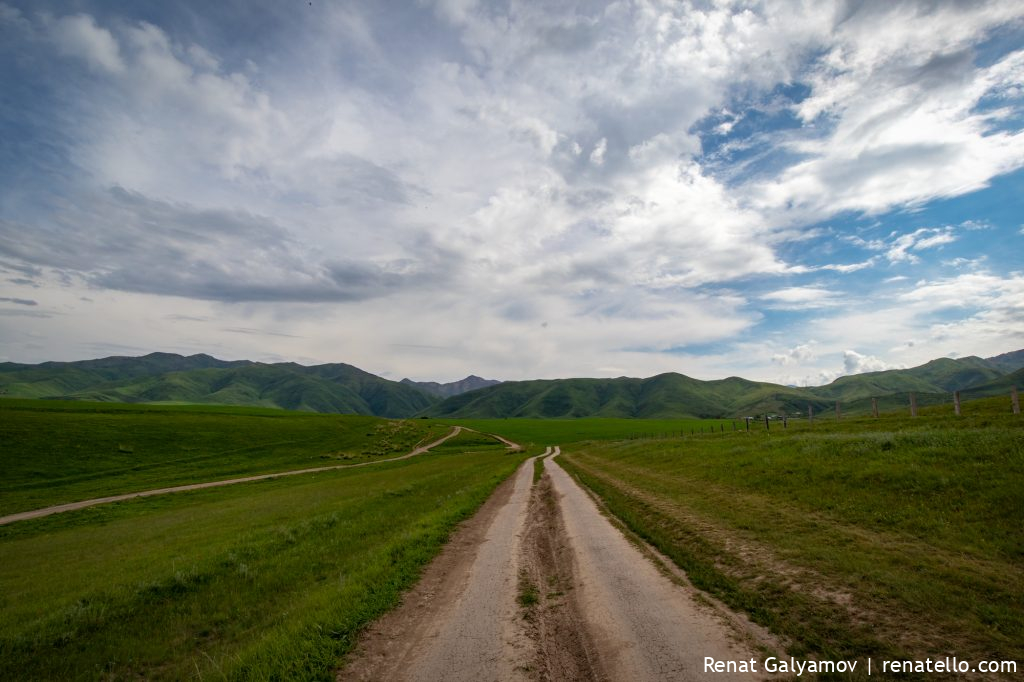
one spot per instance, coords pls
(452, 388)
(202, 379)
(343, 388)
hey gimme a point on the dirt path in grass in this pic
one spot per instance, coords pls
(461, 622)
(56, 509)
(538, 585)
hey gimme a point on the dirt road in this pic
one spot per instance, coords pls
(540, 586)
(56, 509)
(461, 622)
(644, 626)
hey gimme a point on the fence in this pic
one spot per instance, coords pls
(911, 397)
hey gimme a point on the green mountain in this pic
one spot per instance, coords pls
(938, 376)
(63, 378)
(1008, 362)
(164, 377)
(341, 388)
(662, 396)
(1001, 386)
(470, 383)
(675, 395)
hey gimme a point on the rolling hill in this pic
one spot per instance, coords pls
(341, 388)
(675, 395)
(169, 378)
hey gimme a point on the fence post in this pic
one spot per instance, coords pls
(810, 414)
(748, 423)
(838, 413)
(785, 422)
(874, 408)
(956, 402)
(1015, 400)
(766, 426)
(913, 405)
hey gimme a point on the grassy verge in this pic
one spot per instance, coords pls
(895, 537)
(53, 452)
(271, 580)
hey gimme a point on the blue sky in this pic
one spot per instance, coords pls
(786, 191)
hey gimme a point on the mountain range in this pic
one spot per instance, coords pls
(340, 388)
(470, 383)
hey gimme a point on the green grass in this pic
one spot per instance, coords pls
(867, 537)
(271, 580)
(55, 452)
(471, 440)
(543, 432)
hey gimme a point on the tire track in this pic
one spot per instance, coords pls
(539, 585)
(72, 506)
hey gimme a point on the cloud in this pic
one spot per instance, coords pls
(898, 94)
(923, 238)
(797, 355)
(634, 175)
(259, 332)
(79, 36)
(801, 298)
(145, 245)
(18, 301)
(848, 267)
(974, 225)
(855, 363)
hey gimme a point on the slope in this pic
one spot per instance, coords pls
(168, 378)
(674, 395)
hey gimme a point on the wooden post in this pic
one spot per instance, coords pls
(810, 414)
(838, 413)
(956, 402)
(913, 405)
(766, 426)
(748, 424)
(874, 408)
(785, 422)
(1015, 400)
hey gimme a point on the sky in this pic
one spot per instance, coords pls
(787, 191)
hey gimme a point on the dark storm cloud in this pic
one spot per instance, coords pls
(129, 242)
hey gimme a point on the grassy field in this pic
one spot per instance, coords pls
(268, 580)
(54, 452)
(866, 537)
(542, 432)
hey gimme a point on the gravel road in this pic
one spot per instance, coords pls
(645, 626)
(600, 608)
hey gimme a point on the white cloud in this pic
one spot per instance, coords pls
(923, 238)
(897, 93)
(974, 225)
(797, 355)
(855, 363)
(79, 36)
(544, 158)
(801, 298)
